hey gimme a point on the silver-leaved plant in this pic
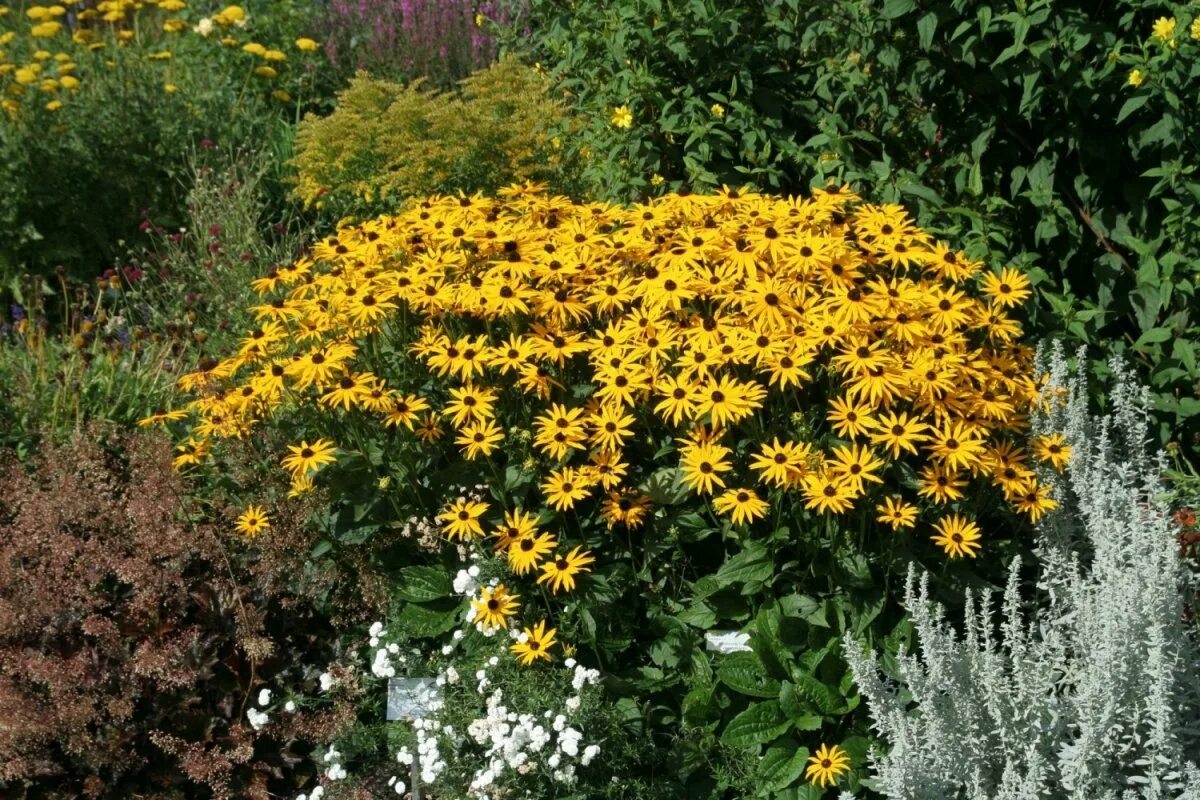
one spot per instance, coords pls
(1085, 685)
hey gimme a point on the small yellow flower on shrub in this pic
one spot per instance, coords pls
(54, 105)
(170, 88)
(172, 5)
(265, 72)
(957, 535)
(1164, 30)
(1195, 29)
(69, 82)
(174, 25)
(229, 41)
(657, 180)
(25, 76)
(827, 765)
(718, 110)
(275, 55)
(253, 521)
(534, 643)
(41, 55)
(281, 96)
(254, 48)
(306, 45)
(1136, 77)
(37, 13)
(622, 117)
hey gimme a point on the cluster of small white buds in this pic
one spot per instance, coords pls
(466, 581)
(382, 666)
(335, 771)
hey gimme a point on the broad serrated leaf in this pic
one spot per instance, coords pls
(822, 697)
(744, 673)
(781, 767)
(422, 584)
(751, 565)
(758, 724)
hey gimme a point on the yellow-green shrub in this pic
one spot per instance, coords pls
(386, 141)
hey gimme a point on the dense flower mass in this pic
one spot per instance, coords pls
(817, 348)
(47, 53)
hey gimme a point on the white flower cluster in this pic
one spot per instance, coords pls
(523, 742)
(466, 582)
(429, 752)
(335, 771)
(257, 718)
(387, 656)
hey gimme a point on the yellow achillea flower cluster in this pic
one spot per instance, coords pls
(30, 71)
(714, 317)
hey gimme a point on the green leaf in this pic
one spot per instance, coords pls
(752, 565)
(758, 724)
(781, 767)
(744, 673)
(925, 29)
(897, 8)
(923, 192)
(1131, 105)
(1153, 336)
(823, 698)
(425, 621)
(422, 584)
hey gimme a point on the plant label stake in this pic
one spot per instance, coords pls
(411, 699)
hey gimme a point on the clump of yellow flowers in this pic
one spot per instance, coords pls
(818, 351)
(45, 52)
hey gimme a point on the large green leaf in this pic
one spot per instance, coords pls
(422, 584)
(743, 672)
(758, 724)
(751, 565)
(781, 766)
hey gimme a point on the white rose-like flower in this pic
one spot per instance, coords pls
(257, 718)
(589, 754)
(264, 697)
(289, 706)
(326, 682)
(204, 28)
